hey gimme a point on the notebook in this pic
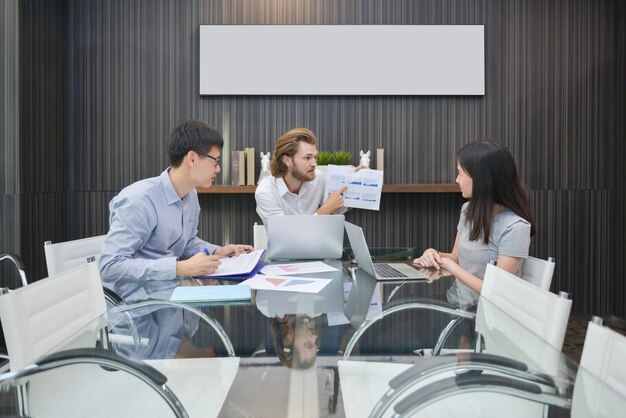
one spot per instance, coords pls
(305, 237)
(380, 271)
(205, 294)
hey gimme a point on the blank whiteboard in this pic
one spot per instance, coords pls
(342, 60)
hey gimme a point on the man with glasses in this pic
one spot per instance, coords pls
(152, 238)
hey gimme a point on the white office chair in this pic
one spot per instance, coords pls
(538, 272)
(63, 256)
(47, 316)
(66, 255)
(260, 237)
(41, 317)
(600, 388)
(544, 318)
(534, 270)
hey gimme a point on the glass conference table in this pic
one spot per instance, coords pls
(330, 354)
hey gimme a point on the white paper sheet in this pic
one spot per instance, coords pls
(288, 269)
(364, 186)
(287, 284)
(241, 264)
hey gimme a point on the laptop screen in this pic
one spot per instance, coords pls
(305, 237)
(359, 247)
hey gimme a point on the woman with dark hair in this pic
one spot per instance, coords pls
(495, 223)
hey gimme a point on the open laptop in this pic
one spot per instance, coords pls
(305, 237)
(380, 271)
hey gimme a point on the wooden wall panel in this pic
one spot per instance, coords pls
(9, 97)
(555, 95)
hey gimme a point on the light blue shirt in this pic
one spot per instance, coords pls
(150, 229)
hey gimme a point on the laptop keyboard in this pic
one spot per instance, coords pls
(384, 270)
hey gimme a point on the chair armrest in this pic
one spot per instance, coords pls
(19, 264)
(105, 355)
(442, 389)
(476, 362)
(204, 317)
(112, 297)
(429, 306)
(144, 372)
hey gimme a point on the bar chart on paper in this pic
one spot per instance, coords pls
(287, 284)
(288, 269)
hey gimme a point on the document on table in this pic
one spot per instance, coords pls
(237, 265)
(286, 284)
(364, 186)
(297, 268)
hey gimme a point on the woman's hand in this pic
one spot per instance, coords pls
(449, 265)
(432, 274)
(430, 259)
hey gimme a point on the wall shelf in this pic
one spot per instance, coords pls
(387, 188)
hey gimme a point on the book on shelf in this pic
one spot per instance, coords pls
(380, 159)
(238, 168)
(250, 166)
(234, 168)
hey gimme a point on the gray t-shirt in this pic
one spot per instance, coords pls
(509, 235)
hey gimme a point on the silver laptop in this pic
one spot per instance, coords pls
(380, 271)
(304, 237)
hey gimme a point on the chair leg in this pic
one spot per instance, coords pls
(22, 399)
(445, 333)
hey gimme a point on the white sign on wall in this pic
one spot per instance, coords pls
(342, 60)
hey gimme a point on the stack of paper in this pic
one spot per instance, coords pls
(238, 266)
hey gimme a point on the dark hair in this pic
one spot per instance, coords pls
(494, 181)
(288, 145)
(195, 136)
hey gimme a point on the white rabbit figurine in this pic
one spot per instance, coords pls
(365, 158)
(265, 166)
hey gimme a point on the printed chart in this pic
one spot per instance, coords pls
(287, 284)
(364, 186)
(297, 268)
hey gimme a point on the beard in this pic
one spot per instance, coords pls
(302, 175)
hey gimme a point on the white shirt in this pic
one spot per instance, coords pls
(274, 198)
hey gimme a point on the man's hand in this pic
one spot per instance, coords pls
(198, 265)
(333, 203)
(233, 249)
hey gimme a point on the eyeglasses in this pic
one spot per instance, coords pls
(217, 160)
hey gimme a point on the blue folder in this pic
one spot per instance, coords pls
(252, 273)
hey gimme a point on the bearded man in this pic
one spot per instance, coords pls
(296, 187)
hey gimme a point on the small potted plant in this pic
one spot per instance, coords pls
(342, 158)
(323, 159)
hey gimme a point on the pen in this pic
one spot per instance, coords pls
(206, 251)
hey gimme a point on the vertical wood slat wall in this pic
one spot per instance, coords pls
(109, 80)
